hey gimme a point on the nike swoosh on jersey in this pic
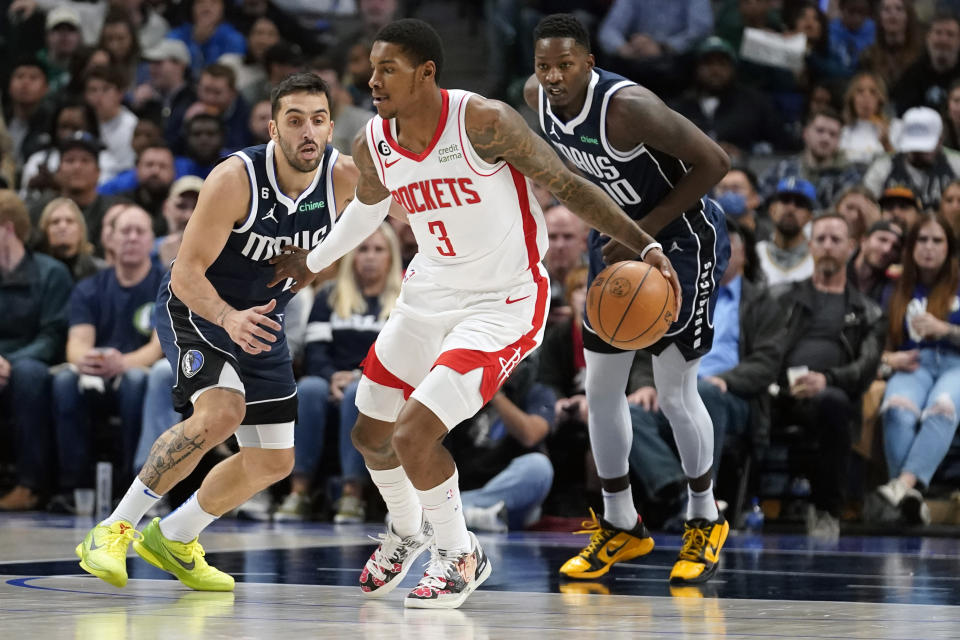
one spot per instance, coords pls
(390, 164)
(509, 301)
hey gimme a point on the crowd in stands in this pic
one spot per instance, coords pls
(838, 320)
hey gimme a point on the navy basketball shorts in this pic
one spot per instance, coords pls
(204, 357)
(698, 247)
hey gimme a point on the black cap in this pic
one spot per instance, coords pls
(885, 225)
(83, 140)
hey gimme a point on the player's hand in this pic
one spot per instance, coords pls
(292, 263)
(656, 258)
(646, 397)
(614, 252)
(246, 327)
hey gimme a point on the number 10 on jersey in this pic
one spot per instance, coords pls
(436, 228)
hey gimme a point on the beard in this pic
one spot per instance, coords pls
(303, 166)
(828, 266)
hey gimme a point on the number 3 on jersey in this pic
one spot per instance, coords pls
(436, 228)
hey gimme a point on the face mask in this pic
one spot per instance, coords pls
(732, 203)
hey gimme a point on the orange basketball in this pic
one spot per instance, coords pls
(630, 305)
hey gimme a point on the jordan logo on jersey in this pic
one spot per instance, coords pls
(270, 214)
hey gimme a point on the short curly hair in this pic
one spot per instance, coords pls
(562, 25)
(417, 39)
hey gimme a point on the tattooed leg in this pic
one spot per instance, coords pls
(175, 454)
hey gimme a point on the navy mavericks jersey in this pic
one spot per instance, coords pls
(637, 179)
(242, 270)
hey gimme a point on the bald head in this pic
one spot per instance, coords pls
(568, 240)
(133, 236)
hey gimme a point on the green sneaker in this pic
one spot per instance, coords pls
(103, 552)
(183, 559)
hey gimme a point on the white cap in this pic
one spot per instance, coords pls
(921, 131)
(186, 184)
(62, 15)
(168, 49)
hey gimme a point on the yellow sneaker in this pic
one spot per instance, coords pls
(103, 552)
(700, 554)
(608, 545)
(183, 559)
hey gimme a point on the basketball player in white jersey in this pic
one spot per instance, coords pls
(474, 298)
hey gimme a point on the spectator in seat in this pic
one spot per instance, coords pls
(103, 89)
(64, 237)
(34, 290)
(648, 41)
(110, 345)
(70, 117)
(868, 129)
(737, 195)
(501, 457)
(25, 113)
(899, 204)
(732, 380)
(919, 408)
(879, 249)
(919, 163)
(205, 137)
(925, 82)
(950, 206)
(343, 325)
(567, 237)
(832, 346)
(786, 258)
(208, 36)
(63, 40)
(168, 91)
(899, 41)
(851, 33)
(217, 95)
(859, 208)
(155, 174)
(177, 209)
(741, 119)
(821, 162)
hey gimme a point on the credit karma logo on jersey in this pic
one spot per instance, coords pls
(260, 247)
(438, 193)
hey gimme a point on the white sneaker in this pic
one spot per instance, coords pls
(259, 507)
(294, 508)
(450, 578)
(390, 561)
(492, 518)
(893, 492)
(821, 525)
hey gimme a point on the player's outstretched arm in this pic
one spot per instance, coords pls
(637, 116)
(500, 133)
(362, 216)
(224, 201)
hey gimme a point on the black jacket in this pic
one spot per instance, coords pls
(863, 336)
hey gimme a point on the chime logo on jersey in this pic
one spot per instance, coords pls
(192, 363)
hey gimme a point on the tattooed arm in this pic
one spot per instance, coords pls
(500, 133)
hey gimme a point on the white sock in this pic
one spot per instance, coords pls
(702, 504)
(406, 514)
(136, 501)
(186, 523)
(619, 510)
(444, 510)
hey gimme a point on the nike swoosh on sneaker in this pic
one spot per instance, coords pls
(93, 544)
(612, 548)
(189, 566)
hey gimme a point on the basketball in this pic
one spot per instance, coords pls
(630, 305)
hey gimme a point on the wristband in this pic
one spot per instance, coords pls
(650, 247)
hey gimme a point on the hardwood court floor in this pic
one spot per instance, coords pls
(298, 581)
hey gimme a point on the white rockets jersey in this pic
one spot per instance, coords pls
(478, 225)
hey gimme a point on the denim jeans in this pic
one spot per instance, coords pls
(522, 486)
(75, 434)
(917, 439)
(313, 393)
(158, 412)
(26, 401)
(351, 462)
(653, 459)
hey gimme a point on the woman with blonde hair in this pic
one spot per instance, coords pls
(346, 317)
(867, 130)
(920, 403)
(64, 237)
